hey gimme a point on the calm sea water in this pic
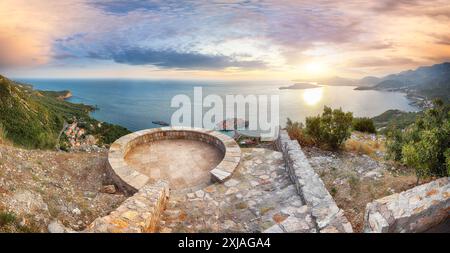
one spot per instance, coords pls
(136, 103)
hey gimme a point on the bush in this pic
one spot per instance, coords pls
(331, 128)
(394, 144)
(3, 134)
(425, 144)
(364, 125)
(7, 218)
(447, 160)
(108, 133)
(297, 132)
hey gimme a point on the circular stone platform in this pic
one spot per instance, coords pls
(185, 157)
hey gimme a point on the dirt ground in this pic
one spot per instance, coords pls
(358, 174)
(38, 187)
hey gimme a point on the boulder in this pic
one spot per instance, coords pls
(110, 189)
(56, 227)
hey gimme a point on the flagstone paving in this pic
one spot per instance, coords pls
(184, 163)
(259, 197)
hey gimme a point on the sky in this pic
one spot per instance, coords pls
(220, 39)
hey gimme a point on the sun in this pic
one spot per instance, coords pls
(315, 68)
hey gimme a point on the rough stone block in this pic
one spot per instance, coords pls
(415, 210)
(138, 214)
(328, 217)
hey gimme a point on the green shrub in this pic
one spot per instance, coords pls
(394, 144)
(108, 133)
(364, 125)
(425, 144)
(3, 134)
(333, 191)
(447, 160)
(7, 218)
(331, 128)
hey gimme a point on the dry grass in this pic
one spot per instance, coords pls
(10, 223)
(297, 132)
(346, 177)
(354, 195)
(365, 145)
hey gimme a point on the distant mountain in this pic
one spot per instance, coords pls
(369, 81)
(340, 81)
(430, 82)
(33, 118)
(332, 81)
(299, 86)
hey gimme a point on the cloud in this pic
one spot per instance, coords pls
(381, 62)
(394, 5)
(274, 35)
(125, 6)
(174, 59)
(442, 39)
(378, 45)
(433, 9)
(27, 29)
(299, 25)
(18, 51)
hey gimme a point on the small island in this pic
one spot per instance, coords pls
(299, 86)
(160, 122)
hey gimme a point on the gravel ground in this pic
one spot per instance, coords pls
(39, 187)
(355, 179)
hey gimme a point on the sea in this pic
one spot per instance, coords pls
(136, 104)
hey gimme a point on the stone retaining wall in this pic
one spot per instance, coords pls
(415, 210)
(138, 214)
(130, 180)
(328, 216)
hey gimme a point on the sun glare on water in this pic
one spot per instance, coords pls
(312, 96)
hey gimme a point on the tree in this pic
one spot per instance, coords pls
(331, 128)
(425, 144)
(447, 160)
(394, 144)
(364, 125)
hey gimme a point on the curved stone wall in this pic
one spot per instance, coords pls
(130, 180)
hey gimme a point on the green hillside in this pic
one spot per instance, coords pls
(395, 118)
(33, 119)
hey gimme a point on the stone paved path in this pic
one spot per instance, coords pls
(258, 197)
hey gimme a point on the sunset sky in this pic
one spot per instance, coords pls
(220, 39)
